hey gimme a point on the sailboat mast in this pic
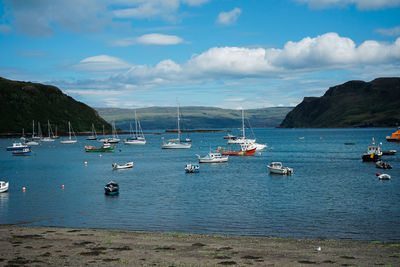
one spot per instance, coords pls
(136, 134)
(69, 129)
(33, 129)
(179, 127)
(244, 134)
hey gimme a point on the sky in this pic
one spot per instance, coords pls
(221, 53)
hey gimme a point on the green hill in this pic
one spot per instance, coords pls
(352, 104)
(22, 102)
(195, 117)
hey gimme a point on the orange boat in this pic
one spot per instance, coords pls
(395, 136)
(246, 150)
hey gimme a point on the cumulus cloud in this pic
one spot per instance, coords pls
(361, 4)
(102, 63)
(395, 31)
(228, 18)
(309, 55)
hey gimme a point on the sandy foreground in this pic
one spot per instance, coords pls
(44, 246)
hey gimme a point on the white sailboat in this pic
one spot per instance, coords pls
(93, 136)
(48, 139)
(246, 141)
(176, 143)
(115, 138)
(32, 142)
(69, 140)
(136, 139)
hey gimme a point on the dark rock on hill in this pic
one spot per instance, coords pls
(352, 104)
(22, 102)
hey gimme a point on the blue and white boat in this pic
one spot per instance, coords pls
(192, 168)
(17, 146)
(24, 152)
(111, 188)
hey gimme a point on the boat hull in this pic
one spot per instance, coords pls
(370, 157)
(394, 140)
(4, 187)
(68, 141)
(100, 149)
(135, 142)
(121, 167)
(176, 146)
(250, 152)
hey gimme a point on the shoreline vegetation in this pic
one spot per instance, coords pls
(43, 246)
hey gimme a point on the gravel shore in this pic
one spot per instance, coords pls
(44, 246)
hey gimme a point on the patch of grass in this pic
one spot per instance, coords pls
(107, 242)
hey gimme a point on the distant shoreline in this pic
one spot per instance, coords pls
(47, 246)
(27, 135)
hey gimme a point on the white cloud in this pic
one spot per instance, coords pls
(229, 18)
(102, 63)
(361, 4)
(148, 39)
(395, 31)
(251, 66)
(159, 39)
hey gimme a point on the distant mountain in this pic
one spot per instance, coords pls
(22, 102)
(352, 104)
(195, 117)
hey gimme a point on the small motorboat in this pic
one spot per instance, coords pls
(383, 176)
(17, 146)
(192, 168)
(106, 147)
(23, 152)
(382, 165)
(277, 168)
(389, 152)
(111, 188)
(373, 153)
(127, 165)
(246, 149)
(230, 136)
(3, 186)
(213, 158)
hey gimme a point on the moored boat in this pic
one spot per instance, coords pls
(215, 157)
(111, 188)
(382, 165)
(395, 137)
(373, 153)
(383, 176)
(127, 165)
(246, 149)
(3, 186)
(17, 146)
(106, 147)
(23, 152)
(177, 143)
(93, 135)
(136, 138)
(192, 168)
(69, 140)
(277, 168)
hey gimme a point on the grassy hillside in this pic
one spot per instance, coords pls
(22, 102)
(352, 104)
(194, 117)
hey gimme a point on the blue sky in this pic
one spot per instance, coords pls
(224, 53)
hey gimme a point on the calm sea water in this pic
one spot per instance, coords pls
(332, 193)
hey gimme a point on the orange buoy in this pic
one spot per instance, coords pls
(85, 163)
(62, 187)
(23, 189)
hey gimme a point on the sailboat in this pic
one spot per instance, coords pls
(69, 140)
(94, 134)
(48, 139)
(248, 143)
(32, 142)
(136, 139)
(176, 143)
(115, 138)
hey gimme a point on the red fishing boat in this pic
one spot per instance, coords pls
(246, 150)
